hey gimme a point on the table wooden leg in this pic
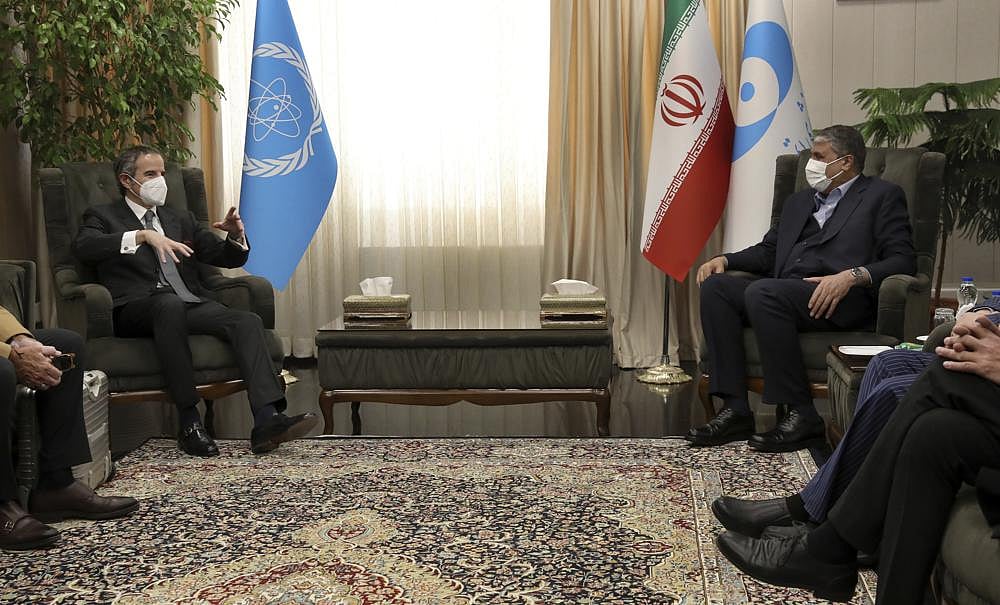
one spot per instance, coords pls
(355, 417)
(603, 413)
(706, 399)
(326, 406)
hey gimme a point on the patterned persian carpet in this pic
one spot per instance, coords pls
(444, 521)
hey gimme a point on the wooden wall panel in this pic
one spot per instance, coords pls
(894, 40)
(812, 38)
(853, 67)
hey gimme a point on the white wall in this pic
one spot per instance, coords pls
(841, 45)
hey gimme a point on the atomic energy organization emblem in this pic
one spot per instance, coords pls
(275, 120)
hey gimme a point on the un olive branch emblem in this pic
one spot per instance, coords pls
(295, 160)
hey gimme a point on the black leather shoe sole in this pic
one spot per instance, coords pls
(712, 440)
(190, 451)
(55, 516)
(293, 432)
(790, 446)
(837, 589)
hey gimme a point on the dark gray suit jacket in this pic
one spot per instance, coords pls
(870, 228)
(132, 277)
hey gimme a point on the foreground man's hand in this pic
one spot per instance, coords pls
(715, 265)
(163, 245)
(974, 349)
(831, 289)
(32, 363)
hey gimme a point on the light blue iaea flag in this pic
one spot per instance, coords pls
(771, 120)
(289, 167)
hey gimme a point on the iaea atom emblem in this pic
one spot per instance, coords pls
(272, 111)
(682, 100)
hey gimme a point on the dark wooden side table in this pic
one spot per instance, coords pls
(446, 357)
(843, 377)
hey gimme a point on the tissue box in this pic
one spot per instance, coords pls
(573, 311)
(572, 302)
(394, 303)
(377, 312)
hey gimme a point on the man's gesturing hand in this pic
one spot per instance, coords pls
(715, 265)
(831, 289)
(163, 245)
(32, 363)
(974, 349)
(232, 224)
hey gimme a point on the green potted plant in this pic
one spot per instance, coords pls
(83, 78)
(966, 131)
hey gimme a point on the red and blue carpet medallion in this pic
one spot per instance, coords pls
(401, 521)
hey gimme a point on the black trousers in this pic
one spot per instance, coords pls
(170, 320)
(944, 430)
(777, 311)
(60, 415)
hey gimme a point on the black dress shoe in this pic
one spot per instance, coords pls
(78, 501)
(21, 531)
(194, 440)
(750, 517)
(725, 427)
(279, 429)
(799, 528)
(796, 529)
(786, 562)
(795, 432)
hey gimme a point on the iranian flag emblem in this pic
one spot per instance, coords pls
(689, 159)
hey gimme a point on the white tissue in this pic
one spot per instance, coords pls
(376, 286)
(573, 286)
(964, 309)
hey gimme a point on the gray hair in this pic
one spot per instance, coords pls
(845, 140)
(125, 163)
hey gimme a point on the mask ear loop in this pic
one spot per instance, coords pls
(131, 178)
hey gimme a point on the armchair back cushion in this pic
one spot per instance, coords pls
(17, 290)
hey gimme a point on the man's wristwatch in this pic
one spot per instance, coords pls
(859, 275)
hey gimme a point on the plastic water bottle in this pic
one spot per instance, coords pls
(967, 293)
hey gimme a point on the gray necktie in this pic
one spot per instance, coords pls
(168, 270)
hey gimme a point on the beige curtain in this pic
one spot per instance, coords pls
(604, 63)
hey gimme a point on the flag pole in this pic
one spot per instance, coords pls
(664, 373)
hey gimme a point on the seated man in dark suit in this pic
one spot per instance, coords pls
(27, 359)
(946, 431)
(146, 255)
(886, 381)
(822, 265)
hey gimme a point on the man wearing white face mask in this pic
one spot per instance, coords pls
(146, 254)
(822, 264)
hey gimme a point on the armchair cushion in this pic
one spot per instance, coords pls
(136, 367)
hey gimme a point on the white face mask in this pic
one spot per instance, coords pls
(816, 173)
(153, 191)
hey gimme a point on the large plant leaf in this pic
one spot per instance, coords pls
(84, 78)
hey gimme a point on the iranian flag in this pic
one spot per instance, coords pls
(689, 159)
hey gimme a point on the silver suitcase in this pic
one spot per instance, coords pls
(95, 415)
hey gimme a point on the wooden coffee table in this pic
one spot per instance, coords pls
(447, 357)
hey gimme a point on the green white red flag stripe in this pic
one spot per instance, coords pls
(692, 141)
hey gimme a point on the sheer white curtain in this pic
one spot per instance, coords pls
(438, 114)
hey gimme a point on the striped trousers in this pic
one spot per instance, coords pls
(887, 378)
